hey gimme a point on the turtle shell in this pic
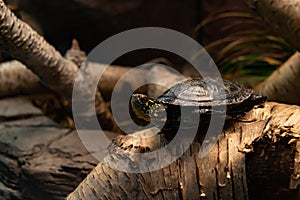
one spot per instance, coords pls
(206, 92)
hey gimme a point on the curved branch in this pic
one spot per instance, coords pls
(283, 84)
(282, 15)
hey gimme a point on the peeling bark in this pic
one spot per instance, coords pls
(222, 174)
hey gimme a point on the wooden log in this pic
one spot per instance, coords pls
(225, 173)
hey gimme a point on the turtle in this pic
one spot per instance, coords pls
(198, 96)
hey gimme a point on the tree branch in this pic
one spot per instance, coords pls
(283, 84)
(53, 70)
(282, 15)
(26, 45)
(222, 174)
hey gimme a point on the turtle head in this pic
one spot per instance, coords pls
(146, 109)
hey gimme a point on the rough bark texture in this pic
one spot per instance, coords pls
(24, 44)
(282, 15)
(283, 85)
(222, 174)
(271, 181)
(38, 160)
(56, 72)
